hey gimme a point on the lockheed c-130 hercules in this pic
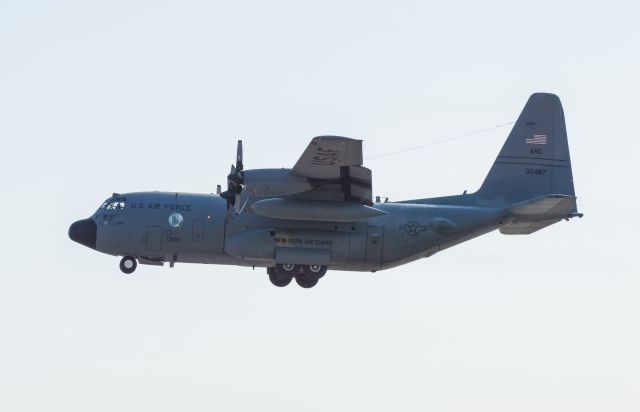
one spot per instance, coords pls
(320, 214)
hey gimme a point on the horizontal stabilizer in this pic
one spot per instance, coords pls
(525, 228)
(549, 205)
(533, 215)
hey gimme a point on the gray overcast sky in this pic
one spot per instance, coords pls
(98, 97)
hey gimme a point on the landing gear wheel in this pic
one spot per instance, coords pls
(318, 270)
(286, 267)
(280, 280)
(306, 281)
(128, 264)
(309, 275)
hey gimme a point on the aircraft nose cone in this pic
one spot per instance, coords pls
(84, 232)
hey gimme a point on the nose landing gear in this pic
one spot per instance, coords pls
(306, 276)
(128, 264)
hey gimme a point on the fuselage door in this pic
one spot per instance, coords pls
(374, 244)
(198, 230)
(154, 238)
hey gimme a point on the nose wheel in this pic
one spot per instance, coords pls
(128, 264)
(306, 276)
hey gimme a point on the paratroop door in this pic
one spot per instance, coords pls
(198, 230)
(374, 244)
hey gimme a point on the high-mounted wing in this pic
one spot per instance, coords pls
(333, 167)
(328, 183)
(325, 154)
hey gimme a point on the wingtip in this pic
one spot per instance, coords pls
(334, 137)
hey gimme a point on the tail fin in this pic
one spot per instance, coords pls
(534, 160)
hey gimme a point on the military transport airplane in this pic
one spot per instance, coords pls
(320, 214)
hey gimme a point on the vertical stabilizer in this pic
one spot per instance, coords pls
(534, 160)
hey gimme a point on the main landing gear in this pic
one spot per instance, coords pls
(306, 276)
(128, 264)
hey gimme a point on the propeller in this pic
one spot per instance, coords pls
(235, 181)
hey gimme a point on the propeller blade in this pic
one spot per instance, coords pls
(235, 180)
(236, 203)
(239, 165)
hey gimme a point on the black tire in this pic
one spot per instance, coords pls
(306, 281)
(128, 264)
(279, 280)
(317, 270)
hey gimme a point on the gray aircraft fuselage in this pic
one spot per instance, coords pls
(211, 233)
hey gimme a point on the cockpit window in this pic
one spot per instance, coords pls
(114, 203)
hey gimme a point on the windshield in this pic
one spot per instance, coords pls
(114, 203)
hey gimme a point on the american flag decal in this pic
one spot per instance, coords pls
(537, 139)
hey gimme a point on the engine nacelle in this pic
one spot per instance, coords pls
(274, 182)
